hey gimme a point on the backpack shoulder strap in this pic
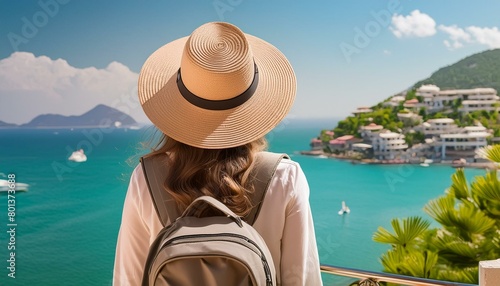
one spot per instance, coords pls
(263, 172)
(155, 173)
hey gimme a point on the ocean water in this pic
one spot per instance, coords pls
(67, 223)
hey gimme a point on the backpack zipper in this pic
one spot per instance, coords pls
(253, 246)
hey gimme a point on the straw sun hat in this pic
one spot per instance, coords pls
(217, 88)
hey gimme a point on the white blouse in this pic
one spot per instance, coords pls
(285, 222)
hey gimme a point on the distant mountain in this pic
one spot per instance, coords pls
(5, 124)
(99, 116)
(478, 70)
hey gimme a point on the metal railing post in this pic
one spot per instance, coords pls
(489, 273)
(393, 278)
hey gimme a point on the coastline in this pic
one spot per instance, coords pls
(472, 165)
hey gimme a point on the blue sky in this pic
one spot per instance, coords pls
(63, 56)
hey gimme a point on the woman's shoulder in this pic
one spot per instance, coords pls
(290, 173)
(137, 172)
(289, 165)
(137, 182)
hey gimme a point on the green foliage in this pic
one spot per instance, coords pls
(405, 234)
(479, 70)
(422, 112)
(469, 219)
(437, 115)
(411, 94)
(348, 126)
(386, 117)
(324, 137)
(414, 138)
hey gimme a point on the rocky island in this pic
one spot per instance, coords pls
(446, 118)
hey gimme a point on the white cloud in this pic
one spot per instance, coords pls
(486, 36)
(31, 85)
(458, 37)
(416, 24)
(453, 45)
(387, 52)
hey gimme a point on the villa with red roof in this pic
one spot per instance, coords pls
(342, 143)
(316, 144)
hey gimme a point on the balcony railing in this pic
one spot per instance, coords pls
(371, 278)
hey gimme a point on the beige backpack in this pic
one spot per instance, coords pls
(214, 250)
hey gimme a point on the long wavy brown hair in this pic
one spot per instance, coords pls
(220, 173)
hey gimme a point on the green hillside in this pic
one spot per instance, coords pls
(479, 70)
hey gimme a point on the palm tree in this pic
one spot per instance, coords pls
(469, 232)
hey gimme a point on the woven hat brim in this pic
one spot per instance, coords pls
(216, 129)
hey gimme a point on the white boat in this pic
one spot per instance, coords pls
(19, 187)
(426, 163)
(78, 156)
(345, 209)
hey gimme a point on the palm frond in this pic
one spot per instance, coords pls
(491, 152)
(467, 275)
(459, 186)
(442, 210)
(405, 231)
(486, 193)
(421, 264)
(391, 261)
(382, 235)
(488, 186)
(456, 252)
(470, 220)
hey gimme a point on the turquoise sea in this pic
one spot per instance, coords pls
(67, 223)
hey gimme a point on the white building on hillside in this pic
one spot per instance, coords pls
(362, 109)
(370, 131)
(394, 101)
(409, 118)
(434, 99)
(389, 146)
(438, 126)
(413, 104)
(462, 144)
(429, 94)
(428, 91)
(481, 99)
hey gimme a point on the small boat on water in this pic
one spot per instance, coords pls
(5, 186)
(345, 209)
(426, 163)
(459, 163)
(78, 156)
